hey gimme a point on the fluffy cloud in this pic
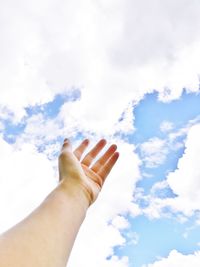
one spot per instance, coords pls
(101, 239)
(166, 126)
(184, 181)
(26, 178)
(176, 259)
(153, 152)
(114, 51)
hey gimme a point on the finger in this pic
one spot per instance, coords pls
(94, 152)
(66, 144)
(98, 165)
(105, 170)
(78, 152)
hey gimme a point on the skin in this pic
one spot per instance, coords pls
(45, 238)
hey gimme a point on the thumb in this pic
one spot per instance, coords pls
(67, 145)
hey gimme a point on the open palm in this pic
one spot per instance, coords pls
(85, 171)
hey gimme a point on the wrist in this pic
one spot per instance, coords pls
(77, 192)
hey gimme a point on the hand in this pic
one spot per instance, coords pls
(83, 173)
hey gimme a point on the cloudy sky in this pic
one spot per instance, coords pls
(124, 70)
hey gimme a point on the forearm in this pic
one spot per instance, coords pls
(45, 238)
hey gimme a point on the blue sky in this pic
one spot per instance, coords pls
(127, 71)
(156, 237)
(160, 236)
(149, 115)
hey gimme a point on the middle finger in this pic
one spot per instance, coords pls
(94, 152)
(104, 158)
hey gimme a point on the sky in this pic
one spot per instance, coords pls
(127, 71)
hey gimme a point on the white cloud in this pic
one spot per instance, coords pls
(120, 222)
(26, 178)
(154, 152)
(176, 259)
(159, 186)
(184, 181)
(133, 238)
(174, 135)
(101, 238)
(166, 126)
(40, 129)
(115, 51)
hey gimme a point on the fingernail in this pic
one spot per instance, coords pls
(114, 146)
(86, 141)
(103, 141)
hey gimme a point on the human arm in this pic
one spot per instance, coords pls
(45, 238)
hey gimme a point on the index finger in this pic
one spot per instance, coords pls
(78, 152)
(94, 152)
